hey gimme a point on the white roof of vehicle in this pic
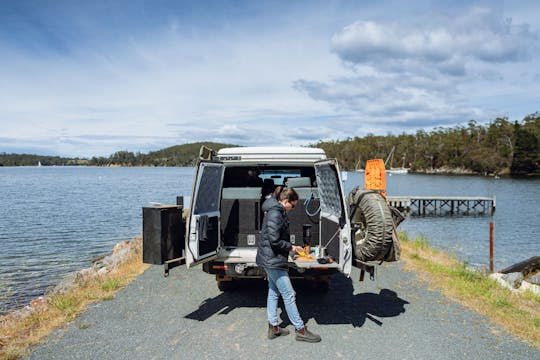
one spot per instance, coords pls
(271, 154)
(271, 150)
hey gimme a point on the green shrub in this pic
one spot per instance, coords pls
(63, 302)
(110, 284)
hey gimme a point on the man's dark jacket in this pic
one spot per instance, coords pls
(274, 245)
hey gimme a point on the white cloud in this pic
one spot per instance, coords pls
(480, 34)
(138, 88)
(428, 73)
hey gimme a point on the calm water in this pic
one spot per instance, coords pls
(516, 220)
(55, 220)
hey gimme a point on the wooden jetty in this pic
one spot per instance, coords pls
(423, 205)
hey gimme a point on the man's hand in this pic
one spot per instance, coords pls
(297, 249)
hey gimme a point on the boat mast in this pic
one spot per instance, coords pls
(357, 164)
(391, 155)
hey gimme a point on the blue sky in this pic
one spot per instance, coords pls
(85, 78)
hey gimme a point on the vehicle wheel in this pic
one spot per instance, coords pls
(373, 219)
(225, 285)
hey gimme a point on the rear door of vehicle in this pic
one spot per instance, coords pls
(334, 213)
(204, 234)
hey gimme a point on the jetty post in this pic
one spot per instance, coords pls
(491, 225)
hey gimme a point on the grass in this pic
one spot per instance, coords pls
(518, 313)
(110, 284)
(18, 334)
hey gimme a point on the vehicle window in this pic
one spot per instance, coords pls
(207, 199)
(242, 177)
(253, 176)
(279, 176)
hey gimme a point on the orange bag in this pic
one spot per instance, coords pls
(375, 176)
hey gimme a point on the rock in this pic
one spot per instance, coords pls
(120, 254)
(66, 284)
(527, 286)
(120, 246)
(98, 259)
(27, 310)
(40, 301)
(102, 271)
(514, 279)
(515, 283)
(85, 274)
(99, 264)
(501, 280)
(535, 279)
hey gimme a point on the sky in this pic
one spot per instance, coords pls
(89, 78)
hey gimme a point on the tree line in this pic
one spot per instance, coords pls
(34, 160)
(500, 147)
(179, 155)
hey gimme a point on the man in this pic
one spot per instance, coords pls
(272, 256)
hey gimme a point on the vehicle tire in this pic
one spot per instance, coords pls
(375, 227)
(225, 285)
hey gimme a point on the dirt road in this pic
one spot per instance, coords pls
(185, 316)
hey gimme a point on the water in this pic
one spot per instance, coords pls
(55, 220)
(516, 219)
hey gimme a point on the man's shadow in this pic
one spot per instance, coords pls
(338, 306)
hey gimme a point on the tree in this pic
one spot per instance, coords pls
(526, 159)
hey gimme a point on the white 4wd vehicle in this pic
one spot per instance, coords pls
(225, 218)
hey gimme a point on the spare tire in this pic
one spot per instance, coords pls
(371, 217)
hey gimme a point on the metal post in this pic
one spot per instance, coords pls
(491, 247)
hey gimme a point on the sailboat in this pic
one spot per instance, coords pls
(39, 163)
(402, 170)
(357, 168)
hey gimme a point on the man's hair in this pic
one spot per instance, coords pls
(282, 193)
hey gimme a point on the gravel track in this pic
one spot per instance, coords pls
(185, 316)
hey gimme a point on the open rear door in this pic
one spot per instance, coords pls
(335, 224)
(204, 235)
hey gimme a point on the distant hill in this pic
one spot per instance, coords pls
(181, 155)
(34, 160)
(178, 155)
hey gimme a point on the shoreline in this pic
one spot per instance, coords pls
(503, 173)
(101, 266)
(62, 303)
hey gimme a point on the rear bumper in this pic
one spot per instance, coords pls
(250, 270)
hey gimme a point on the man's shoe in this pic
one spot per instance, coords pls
(274, 331)
(305, 335)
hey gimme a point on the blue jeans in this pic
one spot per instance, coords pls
(280, 283)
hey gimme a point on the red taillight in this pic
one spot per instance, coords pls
(220, 267)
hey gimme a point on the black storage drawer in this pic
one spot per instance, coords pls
(163, 233)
